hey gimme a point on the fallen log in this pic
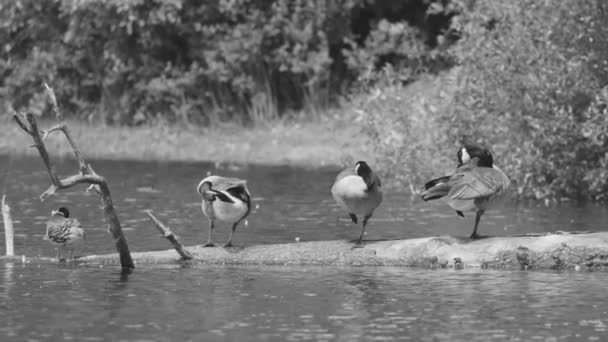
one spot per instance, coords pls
(551, 251)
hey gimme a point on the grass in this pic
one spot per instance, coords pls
(325, 142)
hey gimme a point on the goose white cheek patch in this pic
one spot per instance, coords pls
(465, 156)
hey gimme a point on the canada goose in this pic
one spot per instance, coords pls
(475, 185)
(225, 199)
(63, 231)
(357, 190)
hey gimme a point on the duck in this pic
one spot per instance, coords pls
(476, 184)
(63, 231)
(357, 190)
(225, 199)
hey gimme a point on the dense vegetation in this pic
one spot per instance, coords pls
(198, 61)
(525, 77)
(530, 82)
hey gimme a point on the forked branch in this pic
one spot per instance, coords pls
(86, 174)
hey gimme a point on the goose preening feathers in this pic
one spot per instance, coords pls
(224, 199)
(476, 184)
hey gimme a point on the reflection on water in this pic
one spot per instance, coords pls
(204, 303)
(53, 302)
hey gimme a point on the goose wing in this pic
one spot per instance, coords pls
(229, 183)
(223, 183)
(477, 182)
(376, 180)
(58, 229)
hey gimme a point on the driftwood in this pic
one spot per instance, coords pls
(588, 251)
(8, 227)
(86, 175)
(168, 234)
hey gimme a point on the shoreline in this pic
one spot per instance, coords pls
(313, 144)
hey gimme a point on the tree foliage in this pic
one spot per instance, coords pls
(530, 82)
(127, 62)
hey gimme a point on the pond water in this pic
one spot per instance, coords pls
(214, 303)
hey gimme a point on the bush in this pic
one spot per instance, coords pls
(128, 62)
(403, 124)
(530, 84)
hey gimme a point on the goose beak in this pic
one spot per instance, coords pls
(54, 212)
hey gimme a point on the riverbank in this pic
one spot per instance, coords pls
(325, 142)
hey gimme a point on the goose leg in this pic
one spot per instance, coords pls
(359, 241)
(209, 241)
(477, 217)
(60, 253)
(229, 243)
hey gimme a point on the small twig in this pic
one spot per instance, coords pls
(94, 188)
(53, 99)
(82, 166)
(46, 133)
(35, 133)
(17, 117)
(64, 128)
(168, 234)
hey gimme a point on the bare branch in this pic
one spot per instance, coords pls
(86, 175)
(17, 117)
(46, 133)
(82, 166)
(35, 133)
(94, 188)
(53, 99)
(64, 128)
(168, 234)
(71, 181)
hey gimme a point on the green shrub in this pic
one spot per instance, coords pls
(528, 84)
(403, 124)
(127, 62)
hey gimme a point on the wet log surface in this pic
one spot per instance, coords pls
(580, 251)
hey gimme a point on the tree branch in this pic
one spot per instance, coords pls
(64, 128)
(86, 175)
(34, 132)
(71, 181)
(53, 99)
(168, 234)
(17, 118)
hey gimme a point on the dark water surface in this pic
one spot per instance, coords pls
(49, 301)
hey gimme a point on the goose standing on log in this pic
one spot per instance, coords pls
(63, 231)
(476, 184)
(224, 199)
(357, 190)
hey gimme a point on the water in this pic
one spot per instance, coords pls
(213, 303)
(50, 302)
